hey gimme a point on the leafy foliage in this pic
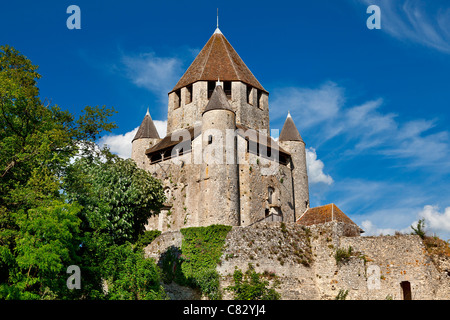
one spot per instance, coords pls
(47, 240)
(342, 295)
(195, 265)
(56, 212)
(251, 286)
(342, 255)
(131, 276)
(117, 196)
(419, 229)
(146, 238)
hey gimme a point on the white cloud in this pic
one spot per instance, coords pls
(321, 114)
(312, 106)
(315, 169)
(435, 220)
(372, 230)
(157, 74)
(421, 22)
(120, 144)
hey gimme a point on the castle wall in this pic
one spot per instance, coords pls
(303, 260)
(256, 175)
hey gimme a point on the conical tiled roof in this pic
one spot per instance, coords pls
(218, 100)
(323, 214)
(217, 60)
(147, 129)
(289, 131)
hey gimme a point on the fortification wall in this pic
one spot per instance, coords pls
(304, 261)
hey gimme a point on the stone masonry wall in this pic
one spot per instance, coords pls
(303, 260)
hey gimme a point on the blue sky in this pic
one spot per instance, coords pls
(373, 106)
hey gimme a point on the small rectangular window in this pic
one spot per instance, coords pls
(177, 99)
(210, 138)
(259, 103)
(188, 94)
(211, 86)
(270, 197)
(249, 95)
(227, 89)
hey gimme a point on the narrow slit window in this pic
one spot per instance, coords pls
(188, 94)
(249, 93)
(270, 195)
(211, 86)
(210, 139)
(227, 89)
(177, 99)
(259, 95)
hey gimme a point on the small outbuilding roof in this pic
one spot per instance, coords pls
(323, 214)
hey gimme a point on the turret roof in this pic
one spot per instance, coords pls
(147, 129)
(218, 59)
(289, 131)
(218, 100)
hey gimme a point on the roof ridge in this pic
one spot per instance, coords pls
(229, 56)
(207, 56)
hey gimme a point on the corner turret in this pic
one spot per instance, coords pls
(291, 140)
(220, 173)
(146, 137)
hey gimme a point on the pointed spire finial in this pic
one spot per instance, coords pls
(218, 83)
(217, 27)
(289, 114)
(148, 112)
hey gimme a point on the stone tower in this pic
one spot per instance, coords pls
(146, 137)
(220, 173)
(218, 60)
(291, 140)
(226, 169)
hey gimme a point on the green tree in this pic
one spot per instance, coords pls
(56, 211)
(132, 277)
(37, 140)
(47, 241)
(117, 197)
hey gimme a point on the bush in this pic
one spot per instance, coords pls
(342, 255)
(146, 238)
(251, 286)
